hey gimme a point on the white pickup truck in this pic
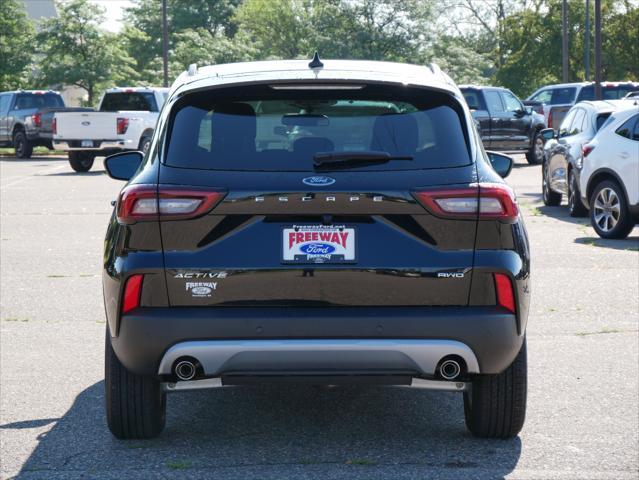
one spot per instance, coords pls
(124, 120)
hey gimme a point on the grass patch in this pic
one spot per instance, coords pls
(16, 319)
(361, 461)
(178, 465)
(85, 275)
(535, 211)
(602, 331)
(57, 276)
(36, 151)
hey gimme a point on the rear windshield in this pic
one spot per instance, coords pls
(563, 95)
(26, 101)
(117, 101)
(260, 128)
(608, 92)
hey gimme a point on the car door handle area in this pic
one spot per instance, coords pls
(624, 155)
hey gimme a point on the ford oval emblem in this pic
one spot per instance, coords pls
(200, 290)
(86, 124)
(317, 249)
(318, 181)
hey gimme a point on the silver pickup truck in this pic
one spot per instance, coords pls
(125, 120)
(26, 118)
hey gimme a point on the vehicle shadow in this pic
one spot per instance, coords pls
(276, 432)
(9, 159)
(629, 243)
(90, 173)
(561, 213)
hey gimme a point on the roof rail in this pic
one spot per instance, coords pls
(192, 70)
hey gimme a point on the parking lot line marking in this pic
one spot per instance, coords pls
(36, 174)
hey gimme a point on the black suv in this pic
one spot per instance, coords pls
(322, 223)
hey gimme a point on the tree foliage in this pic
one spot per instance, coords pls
(514, 43)
(76, 52)
(16, 40)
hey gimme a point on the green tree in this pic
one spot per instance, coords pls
(142, 33)
(532, 55)
(16, 41)
(76, 52)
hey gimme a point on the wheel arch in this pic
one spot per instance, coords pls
(17, 127)
(601, 175)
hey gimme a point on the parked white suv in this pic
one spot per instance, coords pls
(609, 181)
(125, 120)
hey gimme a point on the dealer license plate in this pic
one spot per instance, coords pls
(318, 244)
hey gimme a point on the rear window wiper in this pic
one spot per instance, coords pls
(351, 159)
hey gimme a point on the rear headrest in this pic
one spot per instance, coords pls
(233, 126)
(396, 134)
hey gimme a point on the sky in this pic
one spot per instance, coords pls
(114, 11)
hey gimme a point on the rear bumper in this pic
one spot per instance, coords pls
(97, 145)
(149, 338)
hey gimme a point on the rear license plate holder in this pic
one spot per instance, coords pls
(319, 244)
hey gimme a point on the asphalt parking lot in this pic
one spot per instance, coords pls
(583, 366)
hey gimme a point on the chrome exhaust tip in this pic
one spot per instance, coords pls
(450, 369)
(185, 370)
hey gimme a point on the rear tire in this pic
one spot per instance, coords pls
(24, 148)
(575, 206)
(495, 407)
(135, 404)
(81, 161)
(145, 144)
(609, 214)
(551, 199)
(535, 155)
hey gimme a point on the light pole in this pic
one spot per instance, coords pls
(587, 42)
(564, 40)
(165, 45)
(598, 49)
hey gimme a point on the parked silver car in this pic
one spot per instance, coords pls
(563, 151)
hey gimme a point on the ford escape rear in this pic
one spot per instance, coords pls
(323, 223)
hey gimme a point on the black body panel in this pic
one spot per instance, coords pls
(147, 333)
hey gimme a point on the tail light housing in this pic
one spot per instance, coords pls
(486, 201)
(150, 202)
(550, 119)
(586, 149)
(132, 293)
(122, 125)
(54, 126)
(504, 292)
(37, 119)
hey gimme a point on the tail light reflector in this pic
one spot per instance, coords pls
(132, 292)
(504, 292)
(586, 149)
(122, 125)
(149, 202)
(54, 126)
(489, 201)
(37, 119)
(550, 119)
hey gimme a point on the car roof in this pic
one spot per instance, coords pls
(299, 71)
(586, 84)
(137, 89)
(38, 92)
(607, 105)
(480, 87)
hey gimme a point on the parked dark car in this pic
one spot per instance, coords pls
(564, 151)
(505, 123)
(382, 247)
(26, 119)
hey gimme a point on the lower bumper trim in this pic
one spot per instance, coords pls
(218, 357)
